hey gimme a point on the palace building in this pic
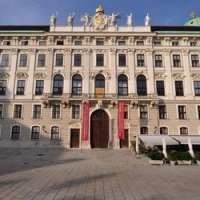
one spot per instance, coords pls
(98, 84)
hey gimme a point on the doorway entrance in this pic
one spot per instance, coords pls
(99, 129)
(75, 135)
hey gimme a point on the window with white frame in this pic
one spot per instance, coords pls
(23, 60)
(17, 111)
(56, 111)
(140, 60)
(55, 133)
(20, 87)
(143, 112)
(99, 60)
(197, 88)
(158, 60)
(122, 60)
(41, 60)
(15, 134)
(37, 111)
(35, 133)
(144, 130)
(39, 87)
(179, 88)
(3, 87)
(75, 111)
(1, 111)
(162, 112)
(160, 87)
(163, 131)
(176, 60)
(77, 59)
(59, 60)
(4, 60)
(182, 112)
(183, 131)
(195, 60)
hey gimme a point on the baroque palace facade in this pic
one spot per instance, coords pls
(98, 85)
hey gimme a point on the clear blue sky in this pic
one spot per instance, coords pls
(163, 12)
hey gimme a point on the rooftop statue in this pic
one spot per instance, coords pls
(113, 19)
(130, 20)
(52, 20)
(86, 19)
(70, 20)
(147, 20)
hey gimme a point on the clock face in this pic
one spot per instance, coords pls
(99, 20)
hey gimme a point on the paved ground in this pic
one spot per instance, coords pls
(92, 175)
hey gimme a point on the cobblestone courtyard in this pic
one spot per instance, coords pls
(92, 175)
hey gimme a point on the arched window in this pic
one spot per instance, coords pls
(141, 85)
(58, 85)
(122, 85)
(183, 131)
(77, 85)
(143, 130)
(35, 133)
(15, 133)
(163, 131)
(55, 133)
(99, 85)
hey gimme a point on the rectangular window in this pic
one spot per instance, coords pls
(157, 43)
(59, 60)
(122, 60)
(160, 87)
(197, 88)
(140, 60)
(99, 42)
(158, 61)
(121, 42)
(56, 111)
(77, 43)
(6, 43)
(143, 130)
(60, 42)
(100, 60)
(140, 43)
(126, 111)
(3, 86)
(179, 88)
(42, 43)
(182, 112)
(20, 87)
(175, 43)
(143, 112)
(198, 111)
(1, 111)
(35, 133)
(75, 111)
(23, 60)
(162, 112)
(39, 87)
(17, 111)
(195, 60)
(41, 60)
(176, 60)
(24, 42)
(77, 60)
(193, 43)
(4, 62)
(37, 111)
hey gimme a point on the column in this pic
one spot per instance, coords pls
(131, 69)
(30, 79)
(150, 69)
(87, 89)
(49, 70)
(67, 70)
(169, 80)
(114, 75)
(12, 76)
(187, 81)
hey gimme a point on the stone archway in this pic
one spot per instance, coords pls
(99, 129)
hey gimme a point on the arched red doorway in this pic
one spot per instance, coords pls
(99, 129)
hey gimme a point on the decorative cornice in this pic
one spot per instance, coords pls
(40, 75)
(195, 76)
(178, 76)
(4, 75)
(159, 75)
(22, 75)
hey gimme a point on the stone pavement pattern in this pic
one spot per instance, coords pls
(92, 175)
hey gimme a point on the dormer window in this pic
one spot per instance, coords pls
(140, 43)
(175, 43)
(77, 43)
(24, 42)
(60, 42)
(99, 42)
(121, 42)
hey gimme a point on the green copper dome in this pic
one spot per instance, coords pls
(194, 21)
